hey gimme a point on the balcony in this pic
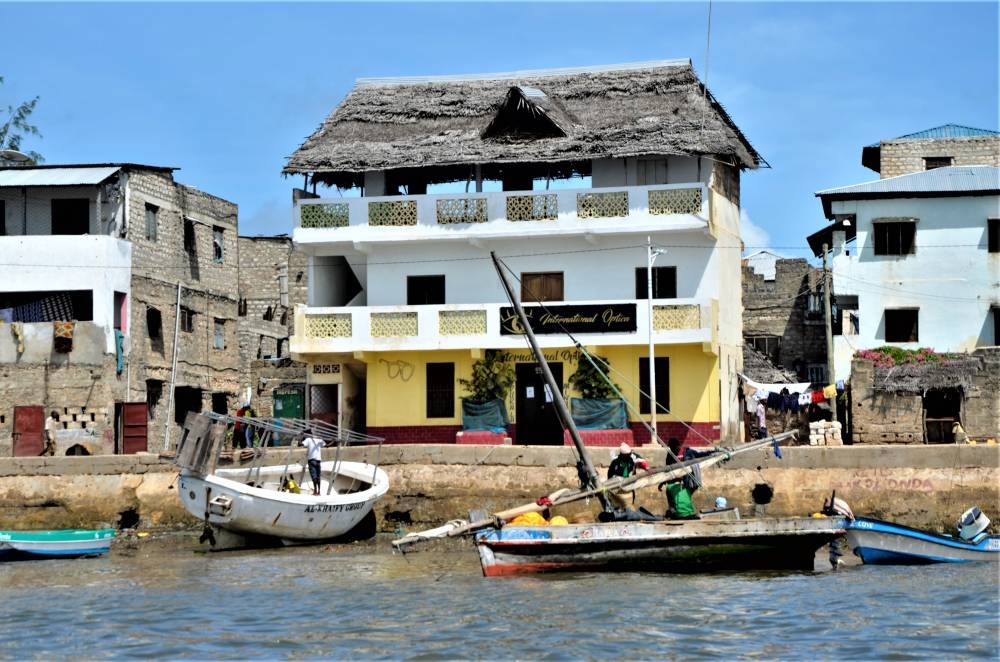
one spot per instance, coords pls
(485, 215)
(404, 328)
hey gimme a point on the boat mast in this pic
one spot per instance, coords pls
(557, 398)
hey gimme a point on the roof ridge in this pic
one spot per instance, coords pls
(525, 73)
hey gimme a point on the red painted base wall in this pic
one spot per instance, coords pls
(445, 434)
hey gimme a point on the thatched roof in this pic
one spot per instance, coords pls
(952, 371)
(648, 109)
(758, 367)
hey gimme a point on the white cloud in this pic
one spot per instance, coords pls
(270, 218)
(754, 236)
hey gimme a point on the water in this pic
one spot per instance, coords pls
(359, 602)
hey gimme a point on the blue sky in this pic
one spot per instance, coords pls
(226, 91)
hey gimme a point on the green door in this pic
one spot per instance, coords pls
(289, 402)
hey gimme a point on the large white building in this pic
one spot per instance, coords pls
(564, 174)
(916, 261)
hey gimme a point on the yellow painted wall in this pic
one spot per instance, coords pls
(397, 383)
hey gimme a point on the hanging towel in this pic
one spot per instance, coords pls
(18, 330)
(830, 391)
(818, 396)
(63, 336)
(119, 351)
(805, 399)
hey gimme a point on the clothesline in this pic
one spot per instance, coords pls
(786, 397)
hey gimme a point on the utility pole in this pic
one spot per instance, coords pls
(827, 286)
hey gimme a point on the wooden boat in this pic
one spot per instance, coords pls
(623, 544)
(251, 505)
(788, 543)
(64, 543)
(885, 543)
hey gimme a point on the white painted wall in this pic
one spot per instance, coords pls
(39, 202)
(86, 262)
(951, 278)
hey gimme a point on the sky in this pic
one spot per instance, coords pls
(226, 92)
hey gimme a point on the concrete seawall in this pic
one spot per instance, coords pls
(923, 486)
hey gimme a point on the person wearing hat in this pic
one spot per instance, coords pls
(626, 462)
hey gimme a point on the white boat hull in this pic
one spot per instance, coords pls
(225, 501)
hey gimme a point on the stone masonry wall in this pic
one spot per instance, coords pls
(902, 157)
(273, 277)
(209, 289)
(780, 308)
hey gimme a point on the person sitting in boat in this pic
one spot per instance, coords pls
(314, 454)
(626, 462)
(679, 504)
(291, 486)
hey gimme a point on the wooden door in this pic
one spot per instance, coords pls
(537, 418)
(29, 428)
(134, 421)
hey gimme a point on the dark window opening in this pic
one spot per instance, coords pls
(154, 323)
(151, 221)
(992, 235)
(269, 314)
(901, 325)
(662, 366)
(71, 216)
(279, 352)
(996, 324)
(894, 238)
(664, 282)
(440, 390)
(284, 316)
(542, 286)
(186, 399)
(769, 346)
(942, 409)
(187, 320)
(424, 290)
(931, 162)
(241, 307)
(154, 391)
(34, 307)
(189, 237)
(220, 403)
(217, 244)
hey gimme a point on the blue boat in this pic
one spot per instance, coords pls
(65, 543)
(885, 543)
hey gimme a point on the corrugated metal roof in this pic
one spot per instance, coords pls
(55, 176)
(943, 131)
(939, 180)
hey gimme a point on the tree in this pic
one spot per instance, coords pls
(16, 126)
(492, 377)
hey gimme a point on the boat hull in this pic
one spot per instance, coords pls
(66, 543)
(675, 546)
(883, 543)
(224, 500)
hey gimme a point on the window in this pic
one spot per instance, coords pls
(440, 390)
(931, 162)
(241, 307)
(817, 373)
(189, 240)
(769, 346)
(901, 325)
(154, 323)
(220, 333)
(187, 320)
(664, 283)
(424, 290)
(217, 244)
(814, 303)
(71, 216)
(662, 366)
(151, 221)
(542, 286)
(894, 238)
(651, 171)
(995, 310)
(154, 391)
(992, 234)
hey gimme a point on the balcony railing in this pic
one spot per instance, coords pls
(351, 329)
(514, 206)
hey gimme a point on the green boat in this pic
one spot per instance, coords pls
(65, 543)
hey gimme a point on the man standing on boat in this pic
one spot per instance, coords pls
(625, 463)
(314, 454)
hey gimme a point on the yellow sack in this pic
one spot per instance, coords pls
(558, 520)
(528, 519)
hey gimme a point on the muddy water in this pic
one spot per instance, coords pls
(160, 597)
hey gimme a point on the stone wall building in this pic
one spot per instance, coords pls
(132, 260)
(920, 403)
(783, 317)
(273, 278)
(948, 145)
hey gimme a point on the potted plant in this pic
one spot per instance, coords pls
(484, 408)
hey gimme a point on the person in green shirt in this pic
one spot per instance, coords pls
(679, 501)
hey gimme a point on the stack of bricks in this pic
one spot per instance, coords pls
(825, 433)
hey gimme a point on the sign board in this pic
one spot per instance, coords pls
(569, 318)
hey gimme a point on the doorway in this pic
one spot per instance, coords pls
(537, 418)
(942, 408)
(29, 424)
